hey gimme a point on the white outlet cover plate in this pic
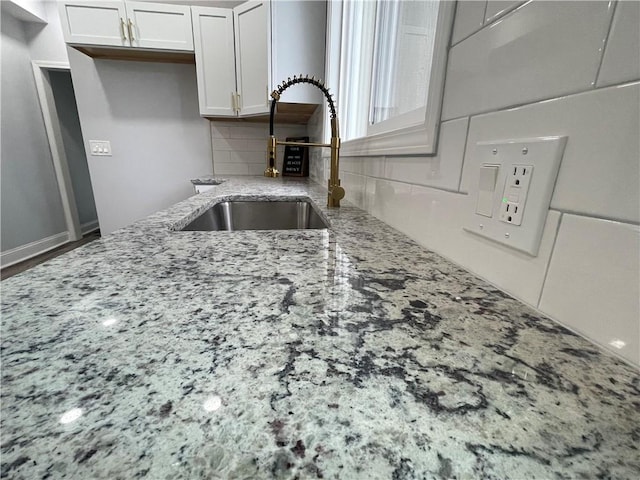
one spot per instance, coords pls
(544, 154)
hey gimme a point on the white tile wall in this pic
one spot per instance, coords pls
(231, 169)
(316, 167)
(388, 201)
(442, 170)
(434, 218)
(240, 148)
(371, 166)
(469, 19)
(621, 60)
(600, 169)
(355, 186)
(498, 8)
(593, 284)
(542, 50)
(315, 130)
(587, 267)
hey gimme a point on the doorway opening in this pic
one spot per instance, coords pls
(62, 124)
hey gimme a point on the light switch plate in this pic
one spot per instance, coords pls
(100, 148)
(526, 178)
(486, 189)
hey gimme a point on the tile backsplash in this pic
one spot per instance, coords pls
(538, 51)
(240, 148)
(521, 70)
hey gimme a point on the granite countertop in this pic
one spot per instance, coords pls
(207, 180)
(348, 353)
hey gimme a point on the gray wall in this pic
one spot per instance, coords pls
(73, 145)
(31, 209)
(149, 113)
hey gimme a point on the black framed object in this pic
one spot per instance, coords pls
(296, 159)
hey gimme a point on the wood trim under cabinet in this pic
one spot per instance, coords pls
(286, 113)
(137, 55)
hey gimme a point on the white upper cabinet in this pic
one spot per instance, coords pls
(127, 24)
(215, 60)
(252, 40)
(94, 23)
(166, 27)
(242, 54)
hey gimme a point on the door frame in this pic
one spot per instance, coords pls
(41, 71)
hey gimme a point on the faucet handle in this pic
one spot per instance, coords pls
(337, 192)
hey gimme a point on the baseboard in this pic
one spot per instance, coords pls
(89, 227)
(30, 250)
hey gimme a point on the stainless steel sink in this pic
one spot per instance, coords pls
(258, 215)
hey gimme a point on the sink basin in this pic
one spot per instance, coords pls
(258, 215)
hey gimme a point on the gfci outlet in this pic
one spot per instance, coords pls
(514, 197)
(510, 189)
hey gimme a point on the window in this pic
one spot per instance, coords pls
(391, 56)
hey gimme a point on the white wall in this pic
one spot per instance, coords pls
(27, 10)
(542, 69)
(149, 113)
(31, 206)
(35, 34)
(46, 42)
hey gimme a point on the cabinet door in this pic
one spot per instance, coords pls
(253, 50)
(160, 26)
(94, 23)
(215, 62)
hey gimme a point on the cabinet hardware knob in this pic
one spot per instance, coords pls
(124, 35)
(130, 27)
(234, 102)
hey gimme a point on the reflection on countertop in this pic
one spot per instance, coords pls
(343, 353)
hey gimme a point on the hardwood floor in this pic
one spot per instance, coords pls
(32, 262)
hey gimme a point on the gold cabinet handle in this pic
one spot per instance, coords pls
(124, 35)
(239, 100)
(233, 102)
(130, 27)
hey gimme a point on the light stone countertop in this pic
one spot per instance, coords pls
(348, 353)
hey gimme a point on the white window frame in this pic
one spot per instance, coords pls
(398, 135)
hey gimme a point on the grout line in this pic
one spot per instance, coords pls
(474, 31)
(484, 13)
(594, 217)
(464, 152)
(546, 268)
(213, 160)
(605, 42)
(485, 24)
(454, 118)
(543, 100)
(404, 182)
(458, 192)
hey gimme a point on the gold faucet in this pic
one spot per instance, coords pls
(335, 191)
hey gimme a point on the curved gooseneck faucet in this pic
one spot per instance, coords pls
(335, 191)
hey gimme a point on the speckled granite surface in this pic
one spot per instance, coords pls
(348, 353)
(207, 180)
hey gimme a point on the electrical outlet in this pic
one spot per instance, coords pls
(100, 148)
(513, 209)
(511, 213)
(514, 197)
